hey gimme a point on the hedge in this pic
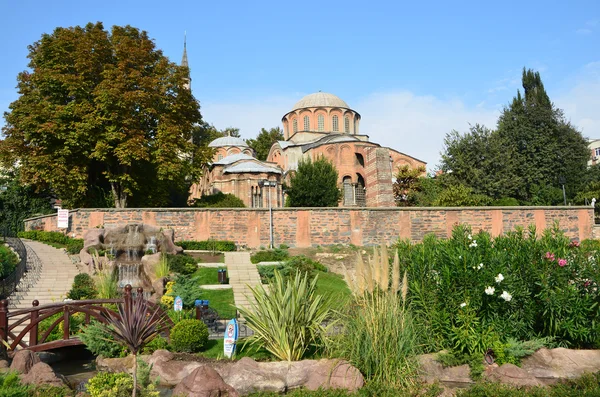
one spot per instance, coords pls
(208, 245)
(73, 245)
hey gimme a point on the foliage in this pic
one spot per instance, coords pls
(109, 384)
(287, 319)
(264, 140)
(407, 184)
(10, 385)
(106, 284)
(75, 322)
(208, 245)
(83, 288)
(314, 184)
(8, 261)
(162, 268)
(158, 343)
(101, 113)
(45, 237)
(379, 337)
(19, 202)
(505, 202)
(74, 246)
(98, 340)
(459, 195)
(289, 268)
(472, 292)
(275, 255)
(188, 288)
(168, 298)
(182, 264)
(189, 336)
(219, 200)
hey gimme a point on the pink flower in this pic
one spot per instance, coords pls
(574, 244)
(550, 256)
(562, 262)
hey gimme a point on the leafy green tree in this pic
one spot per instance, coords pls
(314, 184)
(263, 142)
(459, 195)
(219, 200)
(407, 184)
(106, 110)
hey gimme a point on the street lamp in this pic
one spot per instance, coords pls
(562, 181)
(268, 184)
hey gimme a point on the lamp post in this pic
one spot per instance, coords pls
(562, 181)
(268, 184)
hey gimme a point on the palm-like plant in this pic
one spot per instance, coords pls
(135, 325)
(289, 317)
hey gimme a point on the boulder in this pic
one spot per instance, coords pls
(510, 374)
(124, 364)
(23, 360)
(149, 263)
(248, 376)
(167, 244)
(433, 371)
(204, 382)
(42, 374)
(170, 372)
(549, 365)
(4, 366)
(91, 238)
(334, 374)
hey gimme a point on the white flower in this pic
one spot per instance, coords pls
(463, 304)
(473, 244)
(470, 237)
(490, 290)
(480, 266)
(506, 296)
(499, 278)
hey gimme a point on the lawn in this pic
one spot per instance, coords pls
(332, 284)
(207, 275)
(220, 300)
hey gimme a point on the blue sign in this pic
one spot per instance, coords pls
(230, 339)
(178, 304)
(198, 302)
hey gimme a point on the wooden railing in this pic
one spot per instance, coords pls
(29, 320)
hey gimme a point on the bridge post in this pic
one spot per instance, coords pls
(3, 324)
(127, 298)
(33, 333)
(66, 323)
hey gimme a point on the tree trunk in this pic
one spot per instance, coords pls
(118, 195)
(134, 393)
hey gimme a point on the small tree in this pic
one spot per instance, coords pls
(263, 142)
(314, 184)
(408, 182)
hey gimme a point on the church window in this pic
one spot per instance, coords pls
(321, 121)
(220, 157)
(347, 124)
(295, 125)
(306, 123)
(334, 120)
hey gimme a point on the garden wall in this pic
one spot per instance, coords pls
(305, 227)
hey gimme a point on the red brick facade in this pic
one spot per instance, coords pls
(326, 226)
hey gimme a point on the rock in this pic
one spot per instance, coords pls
(4, 366)
(124, 364)
(168, 243)
(42, 374)
(204, 382)
(91, 238)
(248, 376)
(149, 262)
(334, 374)
(433, 371)
(169, 371)
(23, 361)
(510, 374)
(549, 365)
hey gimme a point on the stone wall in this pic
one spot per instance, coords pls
(325, 226)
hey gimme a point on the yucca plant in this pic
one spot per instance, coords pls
(288, 318)
(135, 325)
(106, 284)
(162, 268)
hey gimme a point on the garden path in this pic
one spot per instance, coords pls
(242, 275)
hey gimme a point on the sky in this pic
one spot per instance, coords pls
(413, 70)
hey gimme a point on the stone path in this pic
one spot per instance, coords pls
(242, 274)
(55, 280)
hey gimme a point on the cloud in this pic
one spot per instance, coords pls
(584, 31)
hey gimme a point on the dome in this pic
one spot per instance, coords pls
(228, 141)
(320, 99)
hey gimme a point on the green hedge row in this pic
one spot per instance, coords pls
(208, 245)
(73, 245)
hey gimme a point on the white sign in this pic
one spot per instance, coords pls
(230, 339)
(63, 219)
(178, 304)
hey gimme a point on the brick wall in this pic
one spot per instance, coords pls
(325, 226)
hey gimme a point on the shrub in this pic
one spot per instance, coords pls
(8, 261)
(74, 246)
(106, 284)
(275, 255)
(182, 264)
(288, 319)
(305, 264)
(188, 288)
(162, 269)
(108, 384)
(208, 245)
(99, 342)
(168, 298)
(299, 263)
(219, 200)
(189, 336)
(505, 202)
(158, 343)
(75, 321)
(83, 288)
(10, 385)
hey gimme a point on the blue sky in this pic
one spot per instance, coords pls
(414, 70)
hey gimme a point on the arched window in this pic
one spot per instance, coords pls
(347, 124)
(334, 121)
(220, 157)
(306, 123)
(321, 121)
(295, 125)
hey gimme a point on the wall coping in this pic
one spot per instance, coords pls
(330, 209)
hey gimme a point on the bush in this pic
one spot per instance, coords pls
(299, 263)
(182, 264)
(10, 385)
(188, 288)
(99, 341)
(46, 237)
(505, 202)
(158, 343)
(108, 384)
(208, 245)
(219, 200)
(275, 255)
(8, 261)
(83, 288)
(189, 336)
(74, 246)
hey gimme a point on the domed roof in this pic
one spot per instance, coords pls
(228, 141)
(320, 99)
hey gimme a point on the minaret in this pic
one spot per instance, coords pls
(184, 62)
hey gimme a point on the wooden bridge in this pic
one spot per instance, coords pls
(19, 329)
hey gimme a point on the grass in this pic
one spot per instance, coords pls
(215, 350)
(334, 285)
(208, 275)
(220, 300)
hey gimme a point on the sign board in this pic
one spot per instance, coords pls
(63, 219)
(230, 339)
(178, 304)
